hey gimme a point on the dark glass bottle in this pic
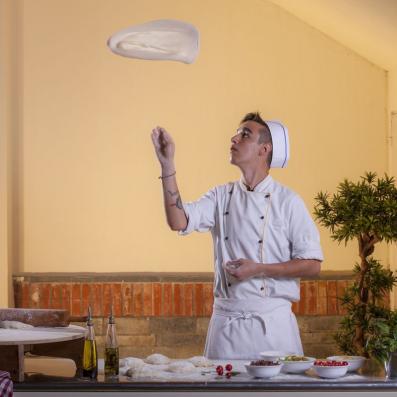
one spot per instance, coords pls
(90, 355)
(111, 350)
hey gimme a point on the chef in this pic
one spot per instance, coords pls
(264, 241)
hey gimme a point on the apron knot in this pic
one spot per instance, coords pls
(246, 316)
(235, 316)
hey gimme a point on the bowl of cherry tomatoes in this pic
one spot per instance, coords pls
(355, 362)
(263, 368)
(330, 368)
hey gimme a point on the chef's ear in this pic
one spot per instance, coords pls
(265, 149)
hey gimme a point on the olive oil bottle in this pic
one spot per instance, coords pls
(111, 350)
(90, 356)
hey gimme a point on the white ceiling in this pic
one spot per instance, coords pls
(368, 27)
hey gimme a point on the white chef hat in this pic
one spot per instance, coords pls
(279, 133)
(164, 39)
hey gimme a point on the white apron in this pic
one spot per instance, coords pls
(268, 225)
(241, 329)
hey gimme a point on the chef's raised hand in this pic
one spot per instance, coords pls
(165, 151)
(242, 269)
(164, 146)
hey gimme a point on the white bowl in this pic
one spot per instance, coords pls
(355, 362)
(297, 367)
(330, 372)
(263, 371)
(274, 355)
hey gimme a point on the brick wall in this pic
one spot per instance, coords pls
(169, 313)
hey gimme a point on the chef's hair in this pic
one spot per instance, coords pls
(264, 133)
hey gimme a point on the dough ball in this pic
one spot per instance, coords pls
(200, 361)
(181, 367)
(146, 371)
(123, 370)
(157, 359)
(134, 362)
(132, 372)
(156, 367)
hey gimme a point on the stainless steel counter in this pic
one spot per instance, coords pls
(207, 383)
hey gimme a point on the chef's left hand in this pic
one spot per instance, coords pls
(242, 269)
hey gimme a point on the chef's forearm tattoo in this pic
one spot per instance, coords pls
(178, 202)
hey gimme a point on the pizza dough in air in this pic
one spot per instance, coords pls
(157, 359)
(164, 39)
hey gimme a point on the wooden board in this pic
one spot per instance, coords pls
(37, 317)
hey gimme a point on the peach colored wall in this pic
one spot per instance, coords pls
(392, 91)
(4, 92)
(10, 132)
(90, 197)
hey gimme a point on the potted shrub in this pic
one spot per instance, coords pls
(365, 211)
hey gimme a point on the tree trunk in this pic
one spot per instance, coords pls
(366, 247)
(359, 339)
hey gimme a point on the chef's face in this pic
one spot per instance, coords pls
(246, 148)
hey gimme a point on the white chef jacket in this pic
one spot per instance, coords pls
(268, 225)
